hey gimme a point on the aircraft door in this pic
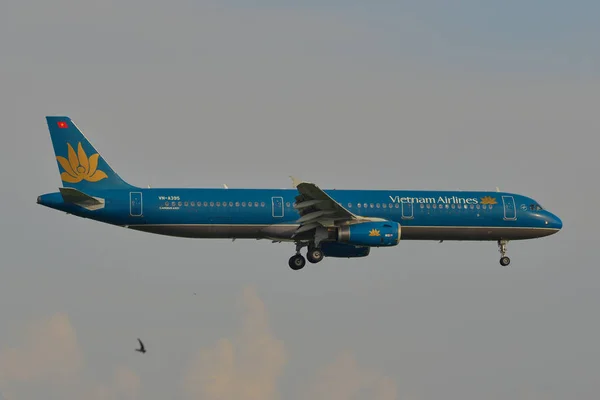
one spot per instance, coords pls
(277, 206)
(135, 204)
(407, 210)
(510, 212)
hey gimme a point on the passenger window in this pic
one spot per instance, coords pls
(359, 205)
(212, 203)
(256, 204)
(377, 205)
(237, 203)
(349, 205)
(218, 204)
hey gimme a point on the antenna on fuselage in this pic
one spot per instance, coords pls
(225, 186)
(497, 189)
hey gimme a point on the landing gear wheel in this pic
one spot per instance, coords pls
(314, 255)
(504, 261)
(297, 262)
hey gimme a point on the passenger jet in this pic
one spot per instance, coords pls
(328, 222)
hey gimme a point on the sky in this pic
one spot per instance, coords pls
(441, 95)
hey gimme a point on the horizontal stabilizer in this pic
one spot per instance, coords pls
(74, 196)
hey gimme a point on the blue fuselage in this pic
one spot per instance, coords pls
(270, 213)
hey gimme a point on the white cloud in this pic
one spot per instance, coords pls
(245, 367)
(345, 379)
(50, 356)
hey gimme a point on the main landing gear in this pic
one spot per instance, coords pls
(297, 261)
(313, 255)
(504, 260)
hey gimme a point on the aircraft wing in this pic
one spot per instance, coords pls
(317, 208)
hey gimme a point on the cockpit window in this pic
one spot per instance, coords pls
(535, 207)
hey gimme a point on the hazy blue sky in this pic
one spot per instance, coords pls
(346, 94)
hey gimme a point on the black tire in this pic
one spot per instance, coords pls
(314, 255)
(297, 262)
(504, 261)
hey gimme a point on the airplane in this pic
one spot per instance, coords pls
(328, 222)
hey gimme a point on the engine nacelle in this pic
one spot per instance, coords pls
(374, 234)
(340, 250)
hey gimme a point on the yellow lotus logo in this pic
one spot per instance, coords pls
(374, 232)
(79, 167)
(488, 200)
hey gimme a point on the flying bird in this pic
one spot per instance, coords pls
(142, 349)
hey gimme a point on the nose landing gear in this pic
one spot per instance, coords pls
(504, 260)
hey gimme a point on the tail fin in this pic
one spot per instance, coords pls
(80, 165)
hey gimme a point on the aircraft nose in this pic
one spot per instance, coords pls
(553, 222)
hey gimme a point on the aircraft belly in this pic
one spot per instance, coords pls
(473, 233)
(220, 231)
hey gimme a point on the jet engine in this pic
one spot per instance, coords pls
(340, 250)
(372, 234)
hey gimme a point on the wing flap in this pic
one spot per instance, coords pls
(307, 203)
(306, 228)
(314, 216)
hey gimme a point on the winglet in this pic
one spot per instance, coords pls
(295, 181)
